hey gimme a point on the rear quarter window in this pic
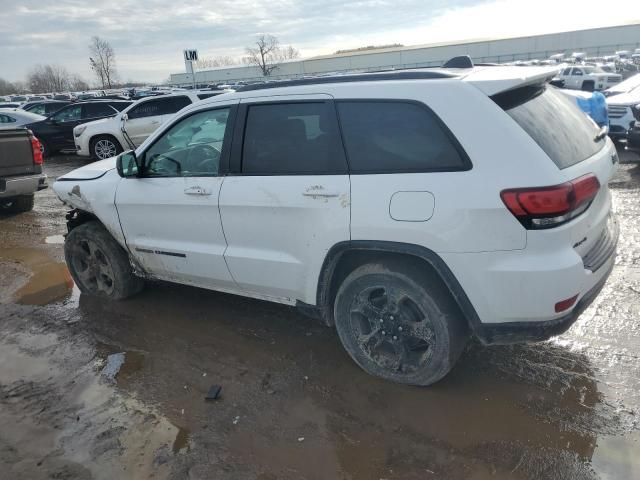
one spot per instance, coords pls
(394, 137)
(555, 123)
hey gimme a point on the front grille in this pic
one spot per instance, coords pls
(613, 79)
(617, 111)
(603, 248)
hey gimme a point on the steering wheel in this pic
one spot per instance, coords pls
(155, 166)
(204, 158)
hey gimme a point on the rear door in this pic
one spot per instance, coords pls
(286, 201)
(576, 77)
(61, 126)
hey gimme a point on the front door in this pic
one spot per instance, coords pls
(286, 201)
(169, 215)
(145, 118)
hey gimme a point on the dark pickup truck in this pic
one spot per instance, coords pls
(20, 169)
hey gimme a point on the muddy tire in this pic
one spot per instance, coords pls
(104, 146)
(98, 264)
(399, 323)
(23, 203)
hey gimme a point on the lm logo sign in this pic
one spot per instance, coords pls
(191, 55)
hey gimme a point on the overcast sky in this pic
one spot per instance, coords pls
(149, 35)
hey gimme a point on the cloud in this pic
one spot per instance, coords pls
(149, 35)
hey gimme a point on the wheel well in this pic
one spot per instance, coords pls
(588, 84)
(417, 260)
(77, 217)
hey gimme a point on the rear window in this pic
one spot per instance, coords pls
(555, 123)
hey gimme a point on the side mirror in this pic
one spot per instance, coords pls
(54, 121)
(124, 117)
(127, 164)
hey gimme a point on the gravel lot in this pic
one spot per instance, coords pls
(293, 405)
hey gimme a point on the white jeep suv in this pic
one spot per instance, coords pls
(106, 138)
(410, 209)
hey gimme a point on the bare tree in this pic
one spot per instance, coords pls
(264, 54)
(102, 61)
(77, 84)
(214, 62)
(48, 78)
(6, 87)
(287, 53)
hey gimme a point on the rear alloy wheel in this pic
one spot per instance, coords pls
(98, 264)
(395, 328)
(105, 147)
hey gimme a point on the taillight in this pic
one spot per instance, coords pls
(547, 207)
(36, 147)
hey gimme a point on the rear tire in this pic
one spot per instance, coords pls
(399, 323)
(98, 264)
(104, 146)
(22, 203)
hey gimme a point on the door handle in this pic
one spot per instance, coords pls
(197, 190)
(155, 122)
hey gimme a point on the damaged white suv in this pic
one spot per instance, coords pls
(410, 209)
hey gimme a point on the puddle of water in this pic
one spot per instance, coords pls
(119, 365)
(181, 443)
(54, 239)
(49, 282)
(617, 457)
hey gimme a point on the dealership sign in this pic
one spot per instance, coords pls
(191, 55)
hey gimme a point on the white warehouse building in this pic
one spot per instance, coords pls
(594, 42)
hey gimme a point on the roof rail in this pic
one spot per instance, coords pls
(360, 77)
(461, 61)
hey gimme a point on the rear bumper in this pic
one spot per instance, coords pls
(15, 186)
(523, 332)
(600, 261)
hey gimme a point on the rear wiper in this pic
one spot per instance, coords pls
(601, 134)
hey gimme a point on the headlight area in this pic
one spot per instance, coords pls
(79, 130)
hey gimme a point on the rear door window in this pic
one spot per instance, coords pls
(292, 138)
(151, 108)
(96, 110)
(395, 136)
(69, 114)
(556, 124)
(178, 103)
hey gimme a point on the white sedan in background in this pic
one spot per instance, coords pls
(15, 118)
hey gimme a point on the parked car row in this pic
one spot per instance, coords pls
(98, 128)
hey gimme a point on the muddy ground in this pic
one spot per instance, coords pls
(93, 389)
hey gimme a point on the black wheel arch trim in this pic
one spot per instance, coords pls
(331, 261)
